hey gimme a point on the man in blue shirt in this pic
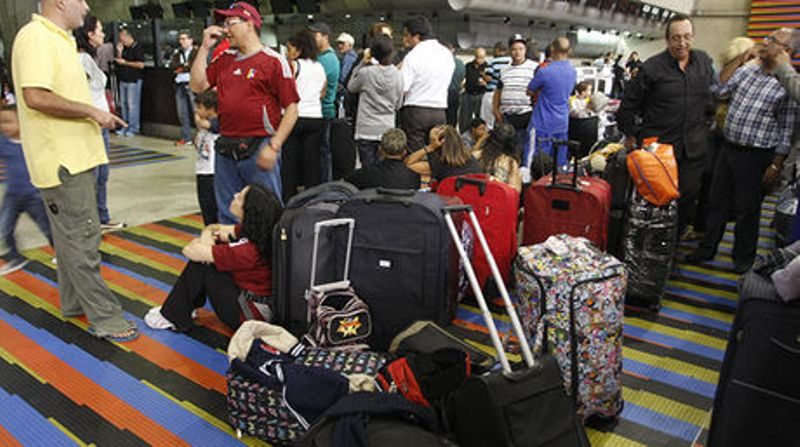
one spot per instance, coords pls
(327, 57)
(554, 83)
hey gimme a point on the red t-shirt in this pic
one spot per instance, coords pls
(252, 92)
(243, 261)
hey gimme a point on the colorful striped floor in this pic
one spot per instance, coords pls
(60, 386)
(123, 156)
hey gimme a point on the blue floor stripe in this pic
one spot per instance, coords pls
(27, 425)
(180, 343)
(675, 343)
(149, 402)
(711, 279)
(700, 296)
(670, 378)
(695, 319)
(660, 422)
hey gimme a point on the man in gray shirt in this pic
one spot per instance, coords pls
(380, 86)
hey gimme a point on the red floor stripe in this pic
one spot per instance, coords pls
(167, 231)
(144, 251)
(7, 439)
(83, 391)
(144, 346)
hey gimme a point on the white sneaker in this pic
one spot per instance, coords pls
(54, 261)
(155, 320)
(13, 266)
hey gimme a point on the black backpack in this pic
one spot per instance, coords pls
(293, 240)
(374, 419)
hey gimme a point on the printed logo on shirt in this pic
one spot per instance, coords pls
(251, 73)
(237, 72)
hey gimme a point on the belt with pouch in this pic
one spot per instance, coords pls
(238, 148)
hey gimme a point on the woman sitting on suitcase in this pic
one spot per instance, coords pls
(497, 156)
(232, 265)
(444, 156)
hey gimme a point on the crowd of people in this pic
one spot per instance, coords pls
(264, 132)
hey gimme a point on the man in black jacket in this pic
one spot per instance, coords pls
(391, 171)
(670, 99)
(181, 65)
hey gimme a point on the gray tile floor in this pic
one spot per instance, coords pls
(138, 194)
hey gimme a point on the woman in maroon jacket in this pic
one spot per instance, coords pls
(230, 264)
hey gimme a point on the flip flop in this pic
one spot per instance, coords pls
(119, 339)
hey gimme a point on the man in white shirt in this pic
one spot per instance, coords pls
(512, 104)
(427, 70)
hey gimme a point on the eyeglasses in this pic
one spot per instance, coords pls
(774, 40)
(231, 22)
(677, 38)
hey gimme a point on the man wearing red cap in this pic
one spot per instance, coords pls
(253, 84)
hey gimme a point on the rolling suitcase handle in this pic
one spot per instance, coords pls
(480, 184)
(476, 288)
(344, 283)
(571, 145)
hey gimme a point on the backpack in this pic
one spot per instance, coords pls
(340, 320)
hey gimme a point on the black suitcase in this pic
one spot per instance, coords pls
(758, 395)
(648, 249)
(343, 148)
(293, 240)
(616, 174)
(402, 264)
(526, 408)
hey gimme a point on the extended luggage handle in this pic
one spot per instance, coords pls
(480, 184)
(476, 287)
(571, 146)
(344, 283)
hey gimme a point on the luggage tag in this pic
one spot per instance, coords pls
(556, 246)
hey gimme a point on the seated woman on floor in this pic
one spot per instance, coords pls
(444, 156)
(231, 265)
(497, 156)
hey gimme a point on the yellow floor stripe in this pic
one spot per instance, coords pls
(156, 236)
(478, 312)
(69, 434)
(702, 289)
(5, 355)
(139, 259)
(188, 222)
(604, 439)
(665, 406)
(515, 358)
(710, 272)
(700, 311)
(690, 336)
(670, 364)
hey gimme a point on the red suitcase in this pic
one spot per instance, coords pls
(567, 204)
(496, 204)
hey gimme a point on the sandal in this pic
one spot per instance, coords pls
(132, 334)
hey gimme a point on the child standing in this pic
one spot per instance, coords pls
(205, 118)
(21, 196)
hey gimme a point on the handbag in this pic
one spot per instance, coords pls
(654, 171)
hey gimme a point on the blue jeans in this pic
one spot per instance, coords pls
(184, 100)
(13, 206)
(131, 97)
(101, 172)
(230, 176)
(547, 147)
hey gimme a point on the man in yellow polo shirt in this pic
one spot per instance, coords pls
(62, 144)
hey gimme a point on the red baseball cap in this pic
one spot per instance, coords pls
(242, 10)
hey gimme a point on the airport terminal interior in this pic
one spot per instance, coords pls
(60, 385)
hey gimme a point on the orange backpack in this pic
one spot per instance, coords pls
(655, 173)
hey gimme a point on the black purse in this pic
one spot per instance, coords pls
(237, 148)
